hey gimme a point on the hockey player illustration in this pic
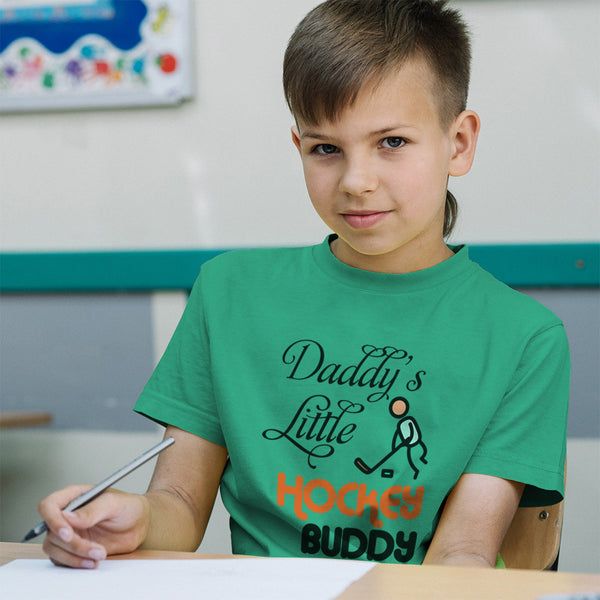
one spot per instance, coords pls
(407, 435)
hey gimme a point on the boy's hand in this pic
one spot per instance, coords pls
(172, 515)
(113, 523)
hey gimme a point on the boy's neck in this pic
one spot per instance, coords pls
(403, 260)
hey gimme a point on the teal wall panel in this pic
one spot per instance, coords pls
(533, 265)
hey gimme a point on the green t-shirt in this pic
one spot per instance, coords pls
(351, 402)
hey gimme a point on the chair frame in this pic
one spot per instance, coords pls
(533, 538)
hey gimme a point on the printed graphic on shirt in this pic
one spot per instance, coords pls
(319, 496)
(326, 421)
(408, 435)
(321, 424)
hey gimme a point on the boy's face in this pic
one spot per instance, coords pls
(377, 175)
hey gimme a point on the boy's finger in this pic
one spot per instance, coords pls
(51, 507)
(100, 509)
(75, 545)
(83, 518)
(71, 556)
(71, 541)
(61, 498)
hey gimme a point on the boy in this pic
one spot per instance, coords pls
(377, 396)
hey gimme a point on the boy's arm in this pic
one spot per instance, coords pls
(172, 515)
(182, 492)
(474, 521)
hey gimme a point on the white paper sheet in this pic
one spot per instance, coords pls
(222, 579)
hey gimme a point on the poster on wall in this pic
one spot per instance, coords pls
(66, 54)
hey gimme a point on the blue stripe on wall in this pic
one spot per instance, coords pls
(532, 265)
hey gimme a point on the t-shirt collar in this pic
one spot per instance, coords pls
(455, 266)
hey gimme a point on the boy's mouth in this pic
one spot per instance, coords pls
(363, 219)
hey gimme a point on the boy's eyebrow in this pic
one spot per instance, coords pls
(317, 135)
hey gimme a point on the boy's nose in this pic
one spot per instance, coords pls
(358, 178)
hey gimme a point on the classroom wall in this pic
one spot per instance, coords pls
(220, 171)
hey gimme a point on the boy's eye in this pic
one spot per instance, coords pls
(393, 142)
(325, 149)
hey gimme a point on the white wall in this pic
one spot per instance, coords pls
(536, 86)
(220, 171)
(217, 171)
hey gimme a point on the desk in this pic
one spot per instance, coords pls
(24, 419)
(385, 581)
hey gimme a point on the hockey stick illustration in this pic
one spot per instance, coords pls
(360, 463)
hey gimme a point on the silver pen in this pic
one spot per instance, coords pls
(103, 485)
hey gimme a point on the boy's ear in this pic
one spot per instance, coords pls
(296, 138)
(464, 131)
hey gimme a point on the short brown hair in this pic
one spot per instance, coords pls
(341, 45)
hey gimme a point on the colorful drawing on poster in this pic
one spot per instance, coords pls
(91, 54)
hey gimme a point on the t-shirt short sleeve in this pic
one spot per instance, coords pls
(179, 392)
(526, 439)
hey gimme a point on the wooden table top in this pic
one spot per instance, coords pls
(24, 419)
(410, 582)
